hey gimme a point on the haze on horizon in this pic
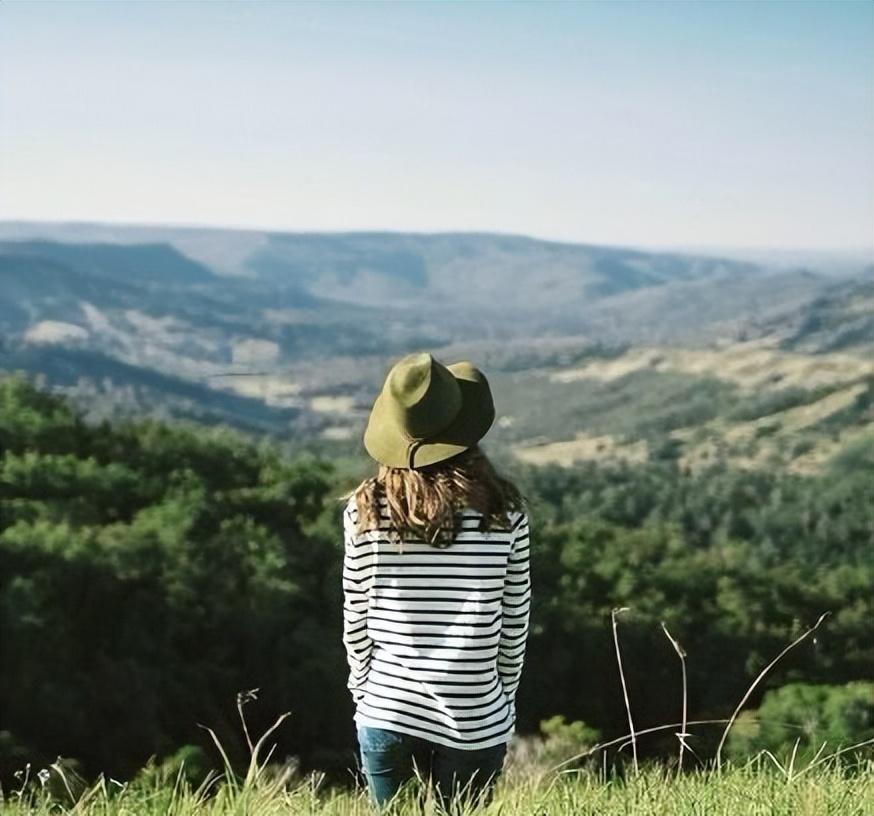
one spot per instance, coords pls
(637, 124)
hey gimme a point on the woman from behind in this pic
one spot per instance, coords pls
(436, 588)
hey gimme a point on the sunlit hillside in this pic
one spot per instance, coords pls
(595, 353)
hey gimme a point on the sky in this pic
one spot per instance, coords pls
(652, 124)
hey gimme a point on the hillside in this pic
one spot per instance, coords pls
(198, 564)
(594, 352)
(460, 286)
(748, 405)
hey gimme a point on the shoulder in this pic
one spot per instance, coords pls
(350, 515)
(350, 508)
(518, 518)
(515, 519)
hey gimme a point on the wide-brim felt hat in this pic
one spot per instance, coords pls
(427, 412)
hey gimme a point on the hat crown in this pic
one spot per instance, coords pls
(422, 395)
(427, 412)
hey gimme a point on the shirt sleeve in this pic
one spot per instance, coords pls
(516, 607)
(357, 582)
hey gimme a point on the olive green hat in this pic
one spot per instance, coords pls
(428, 412)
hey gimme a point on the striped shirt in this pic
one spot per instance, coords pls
(435, 637)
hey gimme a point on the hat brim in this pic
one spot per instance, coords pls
(386, 442)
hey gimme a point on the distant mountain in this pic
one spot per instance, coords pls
(454, 283)
(142, 263)
(106, 387)
(291, 332)
(841, 318)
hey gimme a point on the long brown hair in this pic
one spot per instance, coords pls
(423, 503)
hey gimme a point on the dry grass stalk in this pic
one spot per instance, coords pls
(758, 679)
(255, 767)
(244, 697)
(683, 733)
(816, 762)
(625, 739)
(613, 616)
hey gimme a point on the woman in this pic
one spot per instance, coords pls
(436, 587)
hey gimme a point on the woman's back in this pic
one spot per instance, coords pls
(434, 627)
(436, 635)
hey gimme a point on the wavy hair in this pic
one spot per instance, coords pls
(423, 503)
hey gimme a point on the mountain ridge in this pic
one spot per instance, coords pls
(121, 232)
(289, 333)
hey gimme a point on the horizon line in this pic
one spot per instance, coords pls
(649, 247)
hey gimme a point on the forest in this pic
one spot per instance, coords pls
(151, 572)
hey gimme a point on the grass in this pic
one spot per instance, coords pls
(836, 784)
(757, 788)
(752, 365)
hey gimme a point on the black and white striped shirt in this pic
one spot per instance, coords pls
(435, 637)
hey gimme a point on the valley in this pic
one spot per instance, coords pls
(594, 353)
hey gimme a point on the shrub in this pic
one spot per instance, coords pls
(839, 716)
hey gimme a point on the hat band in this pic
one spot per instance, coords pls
(415, 442)
(412, 447)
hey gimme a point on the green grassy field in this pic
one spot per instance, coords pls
(756, 788)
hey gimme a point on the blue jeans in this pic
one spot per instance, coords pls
(387, 759)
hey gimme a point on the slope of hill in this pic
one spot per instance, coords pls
(749, 404)
(798, 395)
(141, 263)
(594, 352)
(472, 284)
(840, 319)
(175, 565)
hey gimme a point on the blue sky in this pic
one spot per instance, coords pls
(744, 124)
